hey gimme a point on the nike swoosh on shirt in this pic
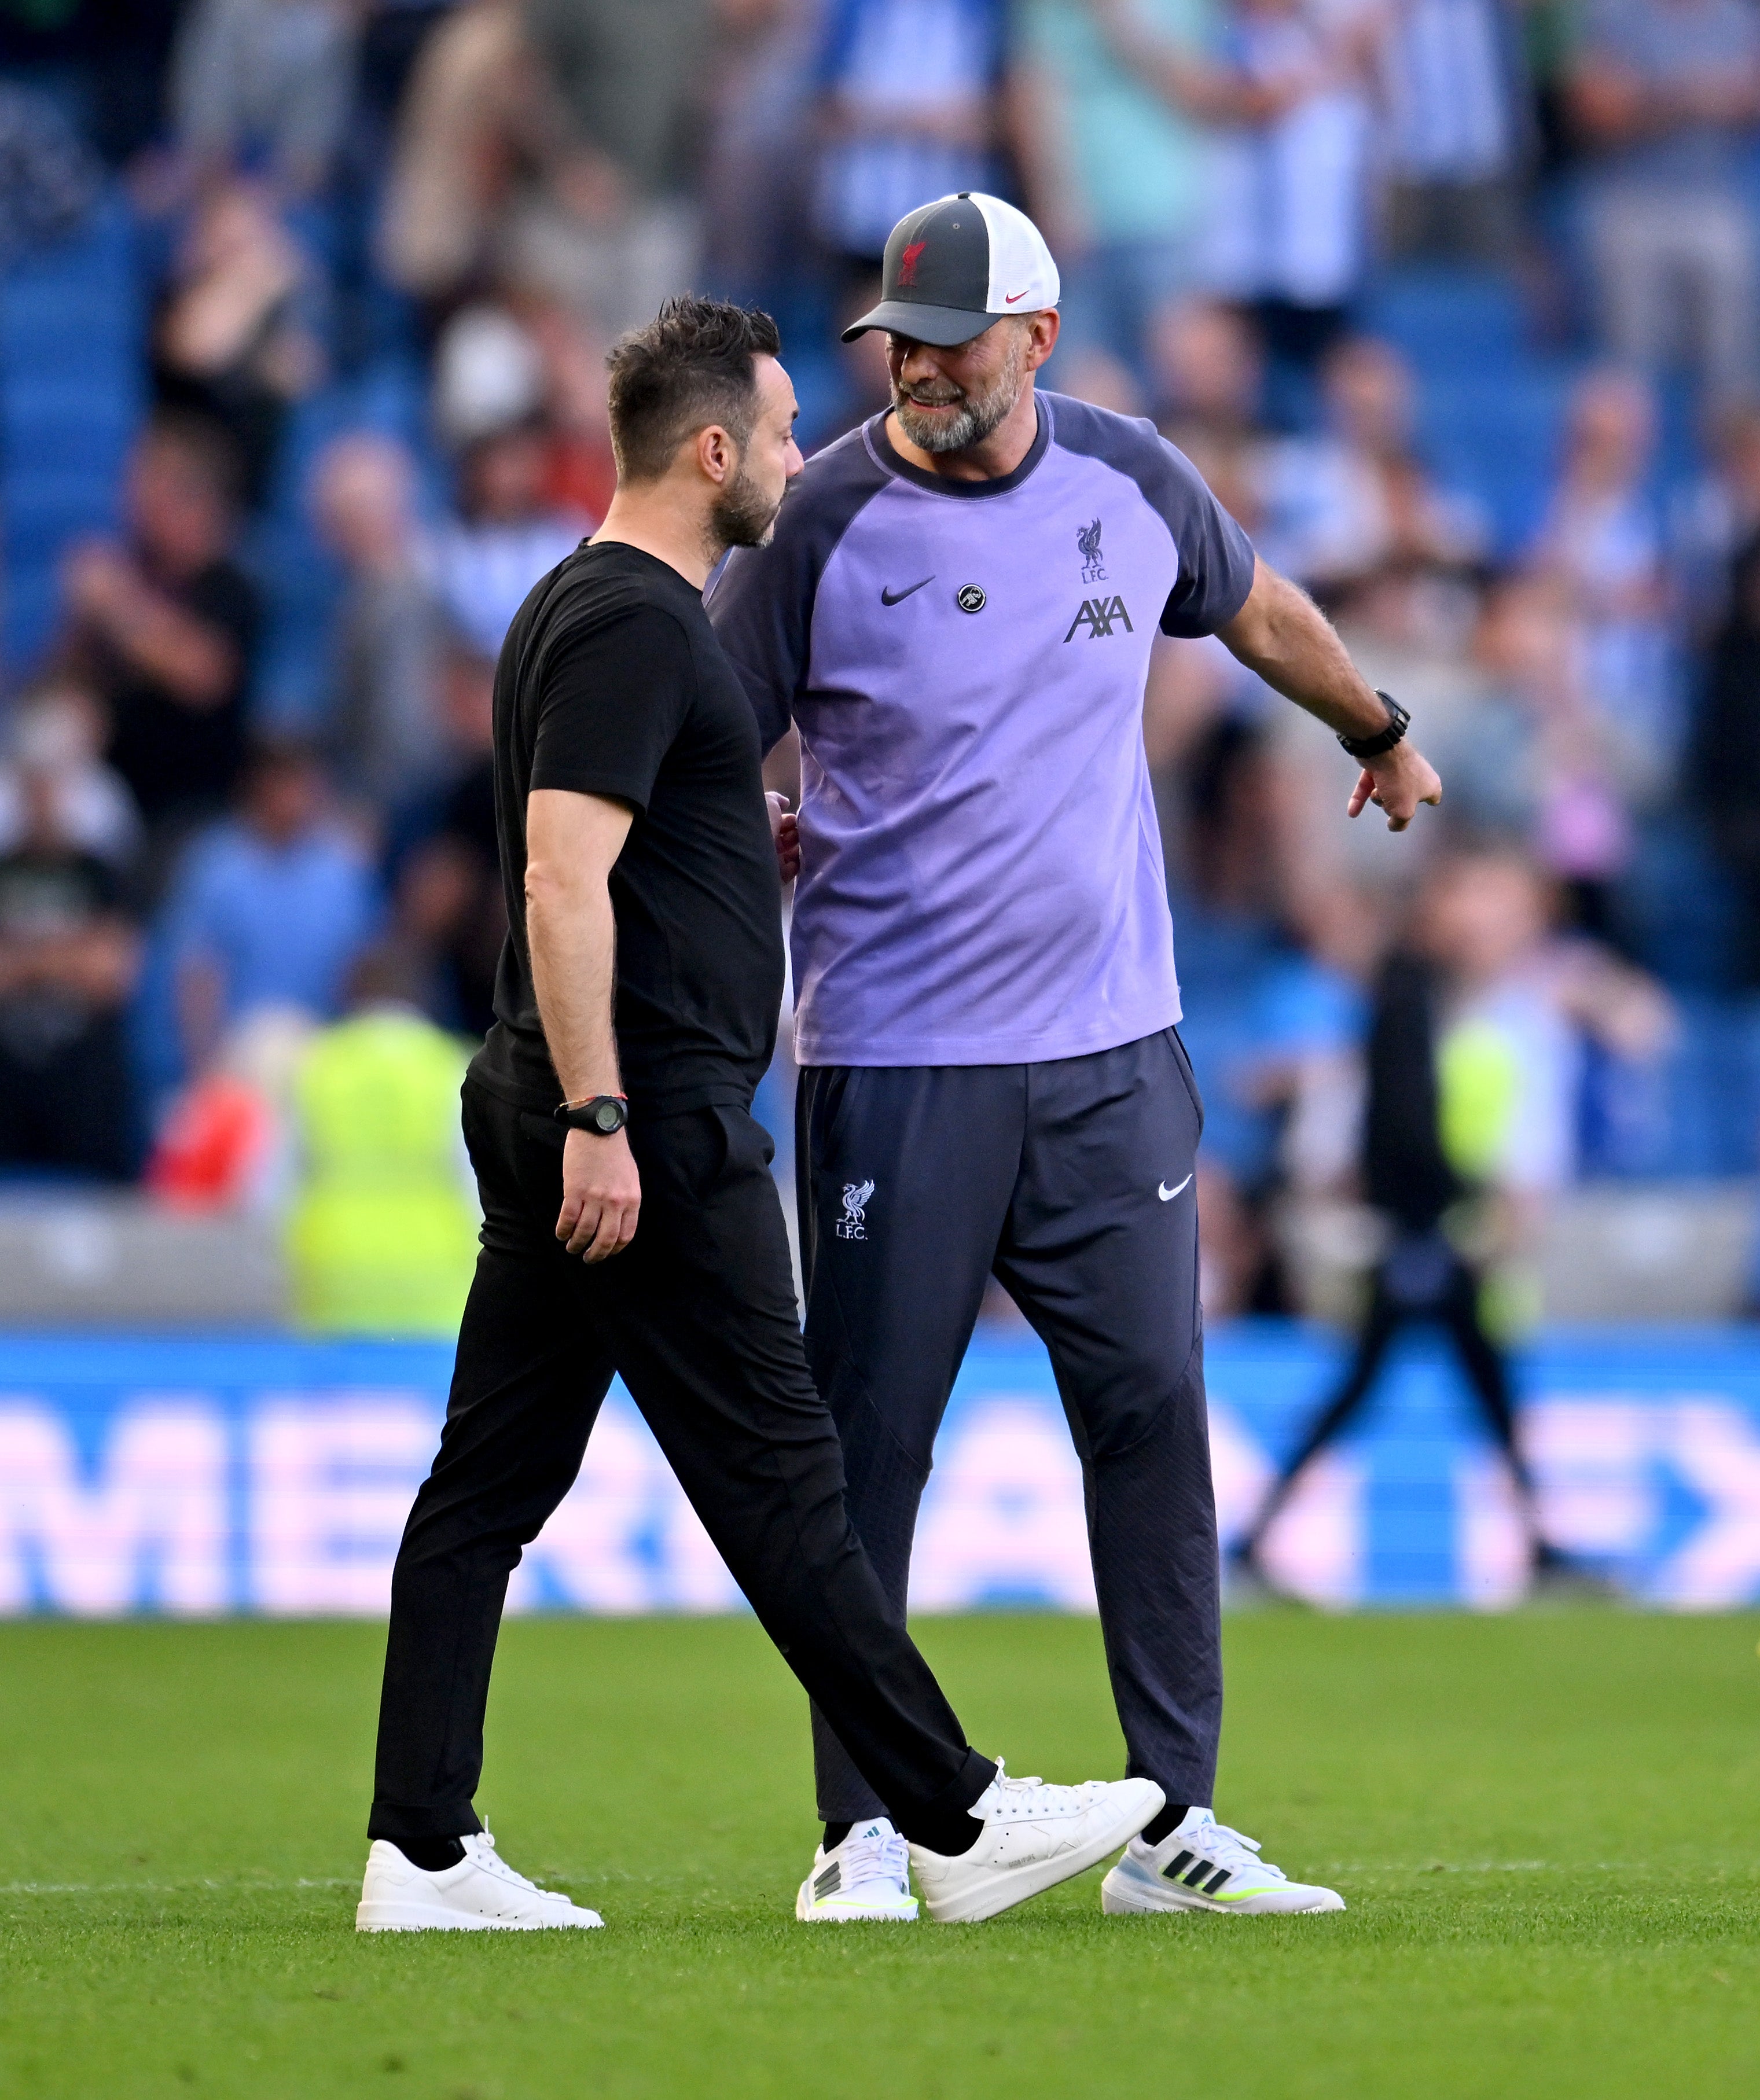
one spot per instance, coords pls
(897, 597)
(1168, 1194)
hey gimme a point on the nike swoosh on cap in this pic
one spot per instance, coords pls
(897, 597)
(1168, 1194)
(1008, 298)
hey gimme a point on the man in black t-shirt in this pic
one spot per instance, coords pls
(69, 954)
(164, 629)
(630, 1222)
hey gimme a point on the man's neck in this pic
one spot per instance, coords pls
(654, 522)
(990, 459)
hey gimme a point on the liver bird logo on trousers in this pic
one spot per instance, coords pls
(851, 1225)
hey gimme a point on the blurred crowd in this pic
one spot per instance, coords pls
(381, 246)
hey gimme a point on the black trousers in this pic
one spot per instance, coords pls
(70, 1103)
(698, 1316)
(1071, 1181)
(1420, 1279)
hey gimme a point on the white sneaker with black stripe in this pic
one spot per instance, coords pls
(1204, 1865)
(866, 1879)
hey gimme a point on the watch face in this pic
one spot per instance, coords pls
(607, 1115)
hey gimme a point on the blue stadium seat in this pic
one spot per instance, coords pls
(71, 391)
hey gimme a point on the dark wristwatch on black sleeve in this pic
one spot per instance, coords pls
(1378, 746)
(603, 1115)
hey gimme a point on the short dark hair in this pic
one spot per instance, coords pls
(693, 365)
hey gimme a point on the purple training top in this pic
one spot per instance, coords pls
(982, 879)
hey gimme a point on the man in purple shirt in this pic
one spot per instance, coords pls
(957, 611)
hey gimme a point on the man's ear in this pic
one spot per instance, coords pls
(1042, 330)
(718, 455)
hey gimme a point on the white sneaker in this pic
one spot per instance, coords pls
(1034, 1837)
(481, 1893)
(1204, 1865)
(865, 1878)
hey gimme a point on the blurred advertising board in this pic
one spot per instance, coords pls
(207, 1476)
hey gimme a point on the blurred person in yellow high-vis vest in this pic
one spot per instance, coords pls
(382, 1235)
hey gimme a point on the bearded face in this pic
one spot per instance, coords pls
(744, 514)
(941, 416)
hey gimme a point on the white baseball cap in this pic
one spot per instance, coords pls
(953, 268)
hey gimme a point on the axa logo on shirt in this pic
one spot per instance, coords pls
(1097, 615)
(853, 1225)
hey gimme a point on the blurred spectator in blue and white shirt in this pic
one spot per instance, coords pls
(505, 531)
(1456, 95)
(1602, 542)
(1287, 224)
(383, 724)
(909, 90)
(1666, 93)
(504, 534)
(264, 84)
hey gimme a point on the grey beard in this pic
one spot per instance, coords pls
(975, 419)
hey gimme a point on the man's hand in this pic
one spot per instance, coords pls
(1396, 782)
(601, 1195)
(99, 580)
(785, 829)
(1281, 634)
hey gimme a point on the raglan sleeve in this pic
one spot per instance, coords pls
(760, 607)
(611, 702)
(1216, 558)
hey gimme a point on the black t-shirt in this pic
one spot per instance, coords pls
(174, 756)
(611, 682)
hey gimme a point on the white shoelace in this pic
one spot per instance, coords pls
(497, 1865)
(1033, 1796)
(1216, 1840)
(875, 1859)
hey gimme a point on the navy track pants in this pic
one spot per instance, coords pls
(1071, 1181)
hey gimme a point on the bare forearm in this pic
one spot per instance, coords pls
(183, 653)
(573, 841)
(573, 939)
(1283, 636)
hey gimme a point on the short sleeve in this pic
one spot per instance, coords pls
(761, 604)
(761, 609)
(1217, 559)
(612, 699)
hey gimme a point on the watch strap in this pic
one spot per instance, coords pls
(1374, 747)
(602, 1114)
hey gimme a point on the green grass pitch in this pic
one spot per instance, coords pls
(1547, 1828)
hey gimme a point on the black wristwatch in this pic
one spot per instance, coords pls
(1373, 746)
(604, 1114)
